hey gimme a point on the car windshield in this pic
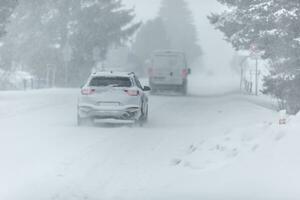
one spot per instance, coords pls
(110, 81)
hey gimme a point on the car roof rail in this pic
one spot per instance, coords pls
(131, 73)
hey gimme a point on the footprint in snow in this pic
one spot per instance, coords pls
(234, 153)
(191, 149)
(60, 175)
(196, 167)
(55, 197)
(279, 136)
(176, 162)
(255, 147)
(220, 147)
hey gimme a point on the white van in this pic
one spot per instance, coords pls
(168, 71)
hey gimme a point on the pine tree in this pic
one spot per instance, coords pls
(6, 9)
(180, 27)
(151, 37)
(41, 29)
(273, 27)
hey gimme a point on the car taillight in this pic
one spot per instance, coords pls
(87, 91)
(132, 92)
(150, 71)
(184, 73)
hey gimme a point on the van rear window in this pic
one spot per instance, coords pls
(168, 61)
(110, 81)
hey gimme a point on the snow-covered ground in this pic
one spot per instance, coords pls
(15, 80)
(210, 145)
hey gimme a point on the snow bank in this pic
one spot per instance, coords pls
(295, 120)
(260, 161)
(16, 80)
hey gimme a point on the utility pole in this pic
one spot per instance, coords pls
(256, 77)
(53, 76)
(67, 55)
(48, 76)
(242, 72)
(241, 81)
(255, 54)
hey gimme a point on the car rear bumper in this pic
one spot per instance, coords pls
(166, 87)
(114, 121)
(130, 112)
(166, 81)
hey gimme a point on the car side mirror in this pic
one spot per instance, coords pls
(146, 89)
(189, 71)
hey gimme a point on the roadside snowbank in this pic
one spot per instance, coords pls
(15, 80)
(258, 162)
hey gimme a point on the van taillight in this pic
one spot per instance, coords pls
(87, 91)
(132, 92)
(184, 73)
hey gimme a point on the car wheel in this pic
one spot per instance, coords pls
(79, 121)
(183, 88)
(146, 115)
(84, 121)
(143, 119)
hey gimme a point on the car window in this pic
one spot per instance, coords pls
(168, 61)
(110, 81)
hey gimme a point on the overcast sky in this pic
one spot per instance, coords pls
(218, 53)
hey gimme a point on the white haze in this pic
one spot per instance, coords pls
(217, 52)
(212, 144)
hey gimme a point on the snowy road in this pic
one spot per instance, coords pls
(182, 153)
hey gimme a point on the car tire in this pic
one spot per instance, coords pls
(79, 121)
(84, 121)
(183, 88)
(143, 119)
(145, 115)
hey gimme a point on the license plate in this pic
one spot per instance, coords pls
(159, 78)
(108, 104)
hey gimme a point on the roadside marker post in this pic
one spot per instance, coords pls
(282, 117)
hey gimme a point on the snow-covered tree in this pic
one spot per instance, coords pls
(180, 27)
(173, 29)
(42, 30)
(6, 9)
(99, 26)
(151, 37)
(273, 28)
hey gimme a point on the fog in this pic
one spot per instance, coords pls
(58, 55)
(129, 100)
(217, 52)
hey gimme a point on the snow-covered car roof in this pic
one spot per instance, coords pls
(113, 74)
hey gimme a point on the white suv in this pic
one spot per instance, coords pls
(110, 97)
